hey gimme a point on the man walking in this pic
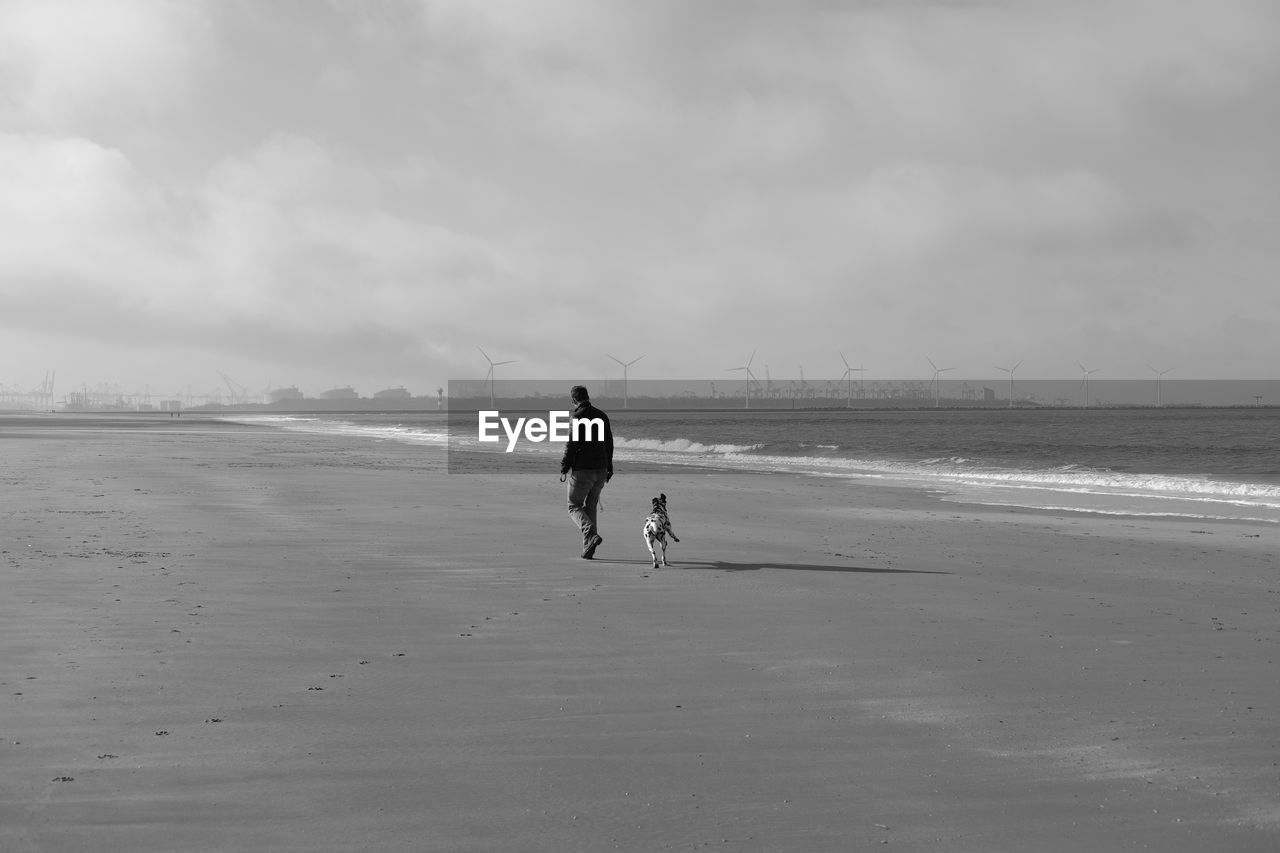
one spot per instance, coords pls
(587, 464)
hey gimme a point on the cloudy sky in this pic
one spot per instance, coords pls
(332, 193)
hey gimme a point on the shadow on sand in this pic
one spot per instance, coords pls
(723, 566)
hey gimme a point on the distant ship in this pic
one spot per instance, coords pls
(397, 393)
(346, 392)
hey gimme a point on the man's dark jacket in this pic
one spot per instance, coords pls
(588, 453)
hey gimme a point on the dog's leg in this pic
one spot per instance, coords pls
(648, 540)
(663, 541)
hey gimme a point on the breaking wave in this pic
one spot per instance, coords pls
(1078, 487)
(681, 445)
(331, 426)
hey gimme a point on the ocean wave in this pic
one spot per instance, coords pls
(1062, 478)
(1143, 484)
(681, 445)
(955, 469)
(1126, 512)
(331, 426)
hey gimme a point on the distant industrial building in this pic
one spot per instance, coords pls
(281, 395)
(344, 393)
(397, 393)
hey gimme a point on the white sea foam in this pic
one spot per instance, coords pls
(1077, 487)
(1063, 478)
(681, 445)
(330, 426)
(1067, 488)
(1126, 512)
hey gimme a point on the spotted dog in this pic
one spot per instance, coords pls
(657, 527)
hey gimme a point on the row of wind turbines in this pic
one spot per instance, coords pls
(489, 377)
(846, 377)
(934, 380)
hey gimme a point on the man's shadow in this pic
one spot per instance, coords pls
(726, 566)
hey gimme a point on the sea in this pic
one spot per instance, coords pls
(1187, 463)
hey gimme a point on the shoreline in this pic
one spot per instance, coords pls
(345, 647)
(1055, 485)
(954, 485)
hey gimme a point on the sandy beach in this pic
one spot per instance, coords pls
(220, 637)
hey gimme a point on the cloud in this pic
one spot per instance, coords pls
(285, 239)
(388, 185)
(76, 212)
(67, 62)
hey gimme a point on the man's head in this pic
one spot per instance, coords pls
(578, 394)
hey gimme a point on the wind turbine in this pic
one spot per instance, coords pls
(1159, 374)
(751, 377)
(936, 371)
(489, 376)
(1085, 381)
(1010, 370)
(848, 382)
(625, 365)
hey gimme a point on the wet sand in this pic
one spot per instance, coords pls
(224, 637)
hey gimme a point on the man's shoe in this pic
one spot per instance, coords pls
(590, 551)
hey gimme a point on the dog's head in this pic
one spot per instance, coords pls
(660, 503)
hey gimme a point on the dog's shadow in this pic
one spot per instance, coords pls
(726, 566)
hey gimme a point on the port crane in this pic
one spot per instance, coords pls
(238, 394)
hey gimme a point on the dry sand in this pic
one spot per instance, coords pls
(220, 637)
